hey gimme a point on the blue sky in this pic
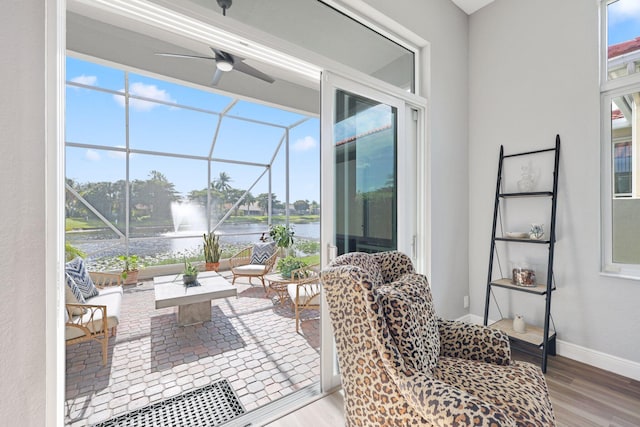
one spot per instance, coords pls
(623, 21)
(98, 118)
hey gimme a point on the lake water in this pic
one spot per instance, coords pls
(171, 245)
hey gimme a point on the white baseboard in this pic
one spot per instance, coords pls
(608, 362)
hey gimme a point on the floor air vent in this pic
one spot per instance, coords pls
(207, 406)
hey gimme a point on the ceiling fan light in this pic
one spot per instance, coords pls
(224, 65)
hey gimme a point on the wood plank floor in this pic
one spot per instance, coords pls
(582, 396)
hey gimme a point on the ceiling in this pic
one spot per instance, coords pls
(121, 39)
(470, 6)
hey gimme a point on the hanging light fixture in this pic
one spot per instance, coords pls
(224, 4)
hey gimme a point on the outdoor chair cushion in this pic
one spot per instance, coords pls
(112, 298)
(308, 295)
(262, 252)
(77, 270)
(250, 269)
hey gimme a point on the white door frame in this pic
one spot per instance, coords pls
(410, 117)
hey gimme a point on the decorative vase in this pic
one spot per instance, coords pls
(518, 324)
(536, 232)
(189, 280)
(527, 180)
(212, 266)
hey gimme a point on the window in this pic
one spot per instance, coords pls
(620, 89)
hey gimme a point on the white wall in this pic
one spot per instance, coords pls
(534, 73)
(22, 247)
(445, 27)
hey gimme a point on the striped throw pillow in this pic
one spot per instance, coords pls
(78, 272)
(262, 252)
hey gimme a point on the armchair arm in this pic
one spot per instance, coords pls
(270, 262)
(474, 342)
(241, 258)
(444, 405)
(92, 322)
(103, 280)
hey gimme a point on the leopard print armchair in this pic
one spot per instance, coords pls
(402, 366)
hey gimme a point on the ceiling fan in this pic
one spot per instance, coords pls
(225, 62)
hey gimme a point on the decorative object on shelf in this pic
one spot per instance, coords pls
(519, 325)
(189, 274)
(288, 264)
(130, 268)
(523, 276)
(536, 232)
(212, 251)
(527, 180)
(517, 234)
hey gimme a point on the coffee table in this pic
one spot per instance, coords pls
(194, 303)
(279, 284)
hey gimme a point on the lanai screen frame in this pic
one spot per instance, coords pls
(284, 142)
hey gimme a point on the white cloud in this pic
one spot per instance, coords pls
(624, 10)
(305, 144)
(85, 80)
(92, 155)
(117, 154)
(146, 91)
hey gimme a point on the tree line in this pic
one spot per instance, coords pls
(151, 199)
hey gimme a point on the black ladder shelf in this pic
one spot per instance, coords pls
(534, 336)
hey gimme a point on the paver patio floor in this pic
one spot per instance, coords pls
(251, 341)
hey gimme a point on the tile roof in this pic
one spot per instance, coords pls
(624, 47)
(616, 114)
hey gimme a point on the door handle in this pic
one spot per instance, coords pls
(332, 252)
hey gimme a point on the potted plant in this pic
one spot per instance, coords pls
(283, 236)
(131, 267)
(212, 251)
(71, 252)
(287, 264)
(189, 274)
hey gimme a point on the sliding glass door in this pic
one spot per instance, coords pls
(368, 180)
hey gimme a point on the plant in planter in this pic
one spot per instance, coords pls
(283, 236)
(131, 267)
(212, 251)
(189, 274)
(287, 264)
(71, 252)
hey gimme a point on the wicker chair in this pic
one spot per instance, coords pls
(241, 266)
(401, 365)
(85, 322)
(305, 293)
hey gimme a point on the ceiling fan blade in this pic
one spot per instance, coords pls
(216, 77)
(219, 53)
(248, 69)
(180, 55)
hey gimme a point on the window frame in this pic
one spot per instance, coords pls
(609, 90)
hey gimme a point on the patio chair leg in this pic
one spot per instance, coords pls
(233, 282)
(105, 347)
(263, 285)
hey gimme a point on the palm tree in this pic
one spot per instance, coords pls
(249, 199)
(222, 183)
